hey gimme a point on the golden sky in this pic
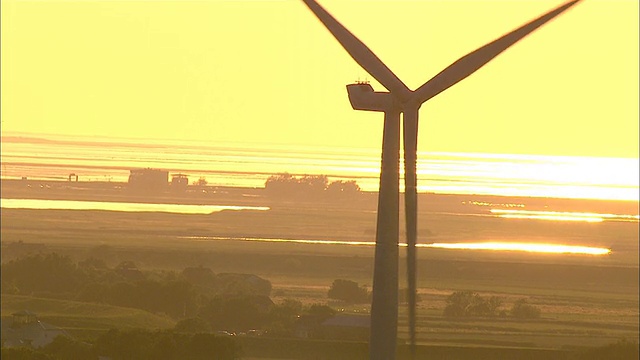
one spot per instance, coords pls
(269, 72)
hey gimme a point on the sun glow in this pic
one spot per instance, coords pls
(495, 246)
(562, 216)
(526, 247)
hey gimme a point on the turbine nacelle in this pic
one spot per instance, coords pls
(362, 97)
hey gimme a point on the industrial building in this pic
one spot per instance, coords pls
(148, 180)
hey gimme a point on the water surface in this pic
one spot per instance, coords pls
(120, 206)
(249, 165)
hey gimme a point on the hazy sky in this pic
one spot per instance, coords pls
(268, 71)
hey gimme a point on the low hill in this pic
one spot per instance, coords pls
(80, 318)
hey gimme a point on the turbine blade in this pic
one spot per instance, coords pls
(410, 135)
(361, 53)
(473, 61)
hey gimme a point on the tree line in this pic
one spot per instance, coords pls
(174, 345)
(197, 298)
(465, 304)
(135, 344)
(235, 302)
(204, 304)
(310, 186)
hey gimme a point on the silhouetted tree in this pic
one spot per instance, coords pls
(282, 317)
(458, 304)
(129, 270)
(309, 186)
(64, 347)
(199, 276)
(348, 291)
(342, 188)
(485, 307)
(176, 298)
(321, 311)
(281, 184)
(242, 284)
(467, 303)
(314, 183)
(92, 263)
(50, 273)
(523, 310)
(236, 313)
(403, 295)
(202, 181)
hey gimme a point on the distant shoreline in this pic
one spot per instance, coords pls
(226, 195)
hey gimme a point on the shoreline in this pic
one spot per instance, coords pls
(245, 196)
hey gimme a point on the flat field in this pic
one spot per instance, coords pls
(585, 300)
(81, 319)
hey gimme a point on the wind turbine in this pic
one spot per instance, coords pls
(400, 99)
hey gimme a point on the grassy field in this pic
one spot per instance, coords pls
(82, 319)
(584, 300)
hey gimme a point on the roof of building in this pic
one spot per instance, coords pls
(34, 333)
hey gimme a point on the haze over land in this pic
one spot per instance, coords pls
(537, 152)
(267, 72)
(48, 157)
(265, 78)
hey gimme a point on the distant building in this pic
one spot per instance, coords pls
(148, 180)
(25, 330)
(179, 182)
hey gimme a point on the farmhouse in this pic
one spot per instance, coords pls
(25, 330)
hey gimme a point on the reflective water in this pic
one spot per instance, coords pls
(120, 206)
(562, 216)
(249, 165)
(494, 246)
(208, 209)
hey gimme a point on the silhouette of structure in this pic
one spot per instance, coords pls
(179, 182)
(26, 330)
(148, 180)
(400, 99)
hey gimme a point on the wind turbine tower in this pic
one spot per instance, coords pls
(401, 100)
